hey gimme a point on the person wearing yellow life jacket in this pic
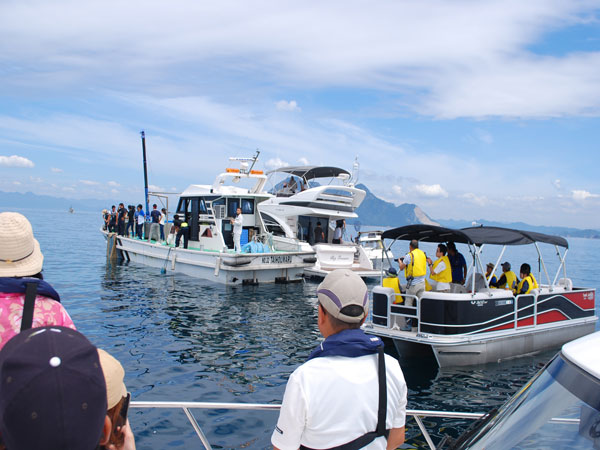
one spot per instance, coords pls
(440, 271)
(392, 281)
(489, 275)
(414, 264)
(527, 282)
(508, 279)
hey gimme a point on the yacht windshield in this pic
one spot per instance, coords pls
(559, 408)
(284, 184)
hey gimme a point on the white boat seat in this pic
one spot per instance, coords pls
(566, 283)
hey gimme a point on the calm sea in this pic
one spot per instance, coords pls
(185, 339)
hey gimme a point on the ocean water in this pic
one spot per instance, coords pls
(185, 339)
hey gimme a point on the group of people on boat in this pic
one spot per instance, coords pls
(57, 390)
(130, 222)
(448, 268)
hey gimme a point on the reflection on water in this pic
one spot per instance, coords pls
(181, 338)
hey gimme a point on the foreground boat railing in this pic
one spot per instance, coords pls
(417, 414)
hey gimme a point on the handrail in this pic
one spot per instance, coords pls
(417, 414)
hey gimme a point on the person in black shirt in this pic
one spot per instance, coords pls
(131, 220)
(121, 213)
(183, 230)
(319, 235)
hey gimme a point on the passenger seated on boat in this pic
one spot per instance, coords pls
(53, 391)
(440, 271)
(328, 400)
(26, 300)
(508, 279)
(527, 282)
(391, 280)
(491, 278)
(120, 435)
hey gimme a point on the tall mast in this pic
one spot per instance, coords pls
(145, 173)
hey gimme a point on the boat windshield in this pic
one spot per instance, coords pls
(559, 408)
(285, 184)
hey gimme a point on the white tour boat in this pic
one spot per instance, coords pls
(210, 254)
(306, 196)
(476, 326)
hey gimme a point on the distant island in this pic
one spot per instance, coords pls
(373, 211)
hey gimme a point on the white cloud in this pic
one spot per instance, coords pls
(557, 184)
(114, 191)
(484, 136)
(113, 184)
(397, 190)
(480, 200)
(17, 183)
(583, 195)
(284, 105)
(36, 179)
(275, 163)
(89, 182)
(155, 188)
(303, 161)
(15, 161)
(68, 189)
(56, 170)
(433, 190)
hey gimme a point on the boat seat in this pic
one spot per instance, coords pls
(457, 288)
(566, 283)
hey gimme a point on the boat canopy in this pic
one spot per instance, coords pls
(311, 172)
(472, 235)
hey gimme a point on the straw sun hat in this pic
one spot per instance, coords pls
(20, 253)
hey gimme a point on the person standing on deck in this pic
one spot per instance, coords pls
(440, 271)
(140, 218)
(130, 221)
(121, 213)
(161, 223)
(112, 223)
(319, 234)
(154, 226)
(183, 230)
(237, 230)
(458, 263)
(508, 279)
(348, 392)
(340, 225)
(414, 264)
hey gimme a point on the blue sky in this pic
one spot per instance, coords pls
(469, 109)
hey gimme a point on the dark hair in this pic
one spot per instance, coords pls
(414, 243)
(113, 206)
(349, 310)
(140, 205)
(451, 246)
(525, 268)
(319, 223)
(443, 248)
(154, 206)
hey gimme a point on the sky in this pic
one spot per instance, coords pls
(470, 109)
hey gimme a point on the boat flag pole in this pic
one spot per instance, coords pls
(145, 174)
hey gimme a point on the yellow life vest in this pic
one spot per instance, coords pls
(394, 283)
(535, 283)
(511, 280)
(417, 266)
(445, 276)
(530, 285)
(184, 224)
(491, 278)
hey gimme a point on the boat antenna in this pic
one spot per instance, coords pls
(355, 169)
(145, 172)
(254, 158)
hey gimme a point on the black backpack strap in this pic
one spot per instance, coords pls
(28, 306)
(367, 438)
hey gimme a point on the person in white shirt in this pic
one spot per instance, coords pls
(237, 230)
(348, 392)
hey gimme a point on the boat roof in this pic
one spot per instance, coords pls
(583, 353)
(310, 172)
(472, 235)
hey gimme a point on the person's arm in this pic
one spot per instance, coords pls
(403, 262)
(464, 267)
(441, 266)
(524, 287)
(292, 417)
(395, 439)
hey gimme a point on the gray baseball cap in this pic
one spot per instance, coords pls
(342, 288)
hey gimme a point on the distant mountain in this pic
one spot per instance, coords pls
(560, 231)
(30, 200)
(375, 211)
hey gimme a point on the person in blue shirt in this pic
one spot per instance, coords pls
(458, 264)
(155, 215)
(140, 217)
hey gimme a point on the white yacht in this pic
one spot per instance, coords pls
(307, 204)
(208, 210)
(373, 244)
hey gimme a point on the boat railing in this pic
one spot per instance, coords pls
(417, 414)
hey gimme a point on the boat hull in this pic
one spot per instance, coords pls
(225, 268)
(465, 329)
